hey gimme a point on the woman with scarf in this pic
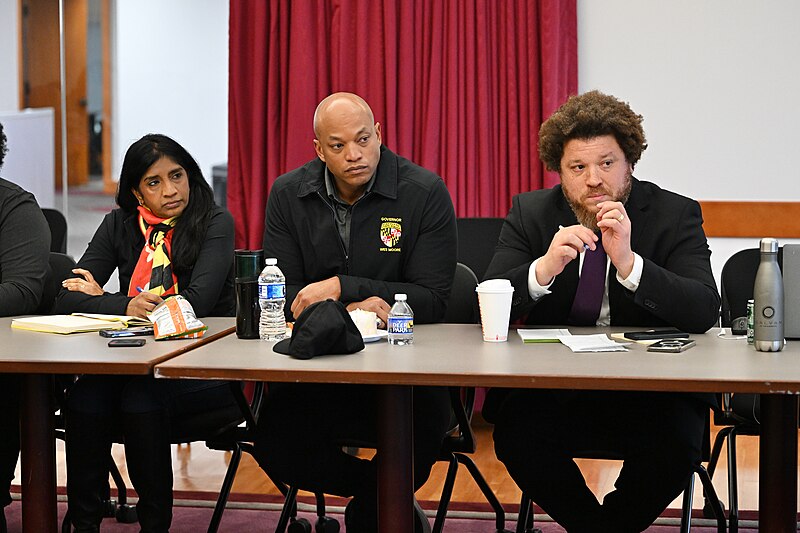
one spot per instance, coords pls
(167, 237)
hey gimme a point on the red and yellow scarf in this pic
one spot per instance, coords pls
(153, 272)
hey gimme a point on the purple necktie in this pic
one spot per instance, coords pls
(592, 283)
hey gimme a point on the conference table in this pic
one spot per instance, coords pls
(455, 355)
(37, 356)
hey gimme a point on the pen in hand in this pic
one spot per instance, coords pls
(585, 246)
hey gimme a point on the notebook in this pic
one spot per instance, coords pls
(64, 324)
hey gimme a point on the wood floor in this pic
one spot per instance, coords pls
(197, 468)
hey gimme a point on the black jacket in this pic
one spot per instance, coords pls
(677, 287)
(301, 233)
(24, 250)
(117, 244)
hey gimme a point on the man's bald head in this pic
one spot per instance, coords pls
(333, 107)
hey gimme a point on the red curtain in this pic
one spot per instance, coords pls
(459, 87)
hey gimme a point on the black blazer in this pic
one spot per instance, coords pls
(116, 245)
(677, 287)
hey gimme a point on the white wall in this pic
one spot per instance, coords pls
(9, 56)
(717, 83)
(171, 76)
(30, 162)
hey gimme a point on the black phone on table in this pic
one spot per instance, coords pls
(129, 332)
(118, 343)
(651, 334)
(671, 345)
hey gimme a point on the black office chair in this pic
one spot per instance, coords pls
(58, 230)
(477, 239)
(237, 439)
(525, 522)
(60, 268)
(462, 308)
(737, 281)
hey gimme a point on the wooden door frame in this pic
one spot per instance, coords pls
(109, 184)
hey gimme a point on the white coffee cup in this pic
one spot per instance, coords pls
(494, 298)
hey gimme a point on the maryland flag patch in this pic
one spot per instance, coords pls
(391, 231)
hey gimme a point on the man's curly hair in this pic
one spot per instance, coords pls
(3, 148)
(587, 116)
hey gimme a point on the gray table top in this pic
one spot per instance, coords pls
(454, 354)
(88, 353)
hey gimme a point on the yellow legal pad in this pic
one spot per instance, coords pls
(65, 324)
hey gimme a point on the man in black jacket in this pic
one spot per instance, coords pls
(357, 224)
(653, 270)
(24, 253)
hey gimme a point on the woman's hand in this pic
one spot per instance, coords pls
(85, 284)
(142, 304)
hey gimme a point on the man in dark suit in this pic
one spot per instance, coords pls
(602, 248)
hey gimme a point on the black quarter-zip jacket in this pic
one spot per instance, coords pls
(402, 236)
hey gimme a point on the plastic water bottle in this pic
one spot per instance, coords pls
(768, 300)
(271, 297)
(401, 322)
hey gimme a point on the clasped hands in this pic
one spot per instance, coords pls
(567, 243)
(331, 288)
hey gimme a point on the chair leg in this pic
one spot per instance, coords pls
(524, 510)
(447, 493)
(289, 510)
(525, 517)
(716, 506)
(733, 484)
(716, 450)
(499, 512)
(686, 510)
(225, 490)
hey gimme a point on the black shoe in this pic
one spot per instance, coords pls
(360, 517)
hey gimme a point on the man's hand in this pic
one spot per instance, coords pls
(615, 228)
(375, 304)
(316, 292)
(85, 284)
(142, 304)
(567, 243)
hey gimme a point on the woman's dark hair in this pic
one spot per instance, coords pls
(3, 148)
(587, 116)
(190, 229)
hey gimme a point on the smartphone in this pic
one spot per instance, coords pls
(117, 343)
(656, 334)
(130, 332)
(671, 345)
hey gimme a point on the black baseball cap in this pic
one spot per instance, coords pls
(323, 328)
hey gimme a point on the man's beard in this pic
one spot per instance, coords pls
(587, 217)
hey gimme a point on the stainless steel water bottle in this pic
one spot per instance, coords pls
(768, 300)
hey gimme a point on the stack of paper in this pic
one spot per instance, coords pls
(592, 343)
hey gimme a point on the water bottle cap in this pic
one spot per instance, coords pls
(769, 245)
(400, 297)
(271, 261)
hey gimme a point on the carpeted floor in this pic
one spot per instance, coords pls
(193, 516)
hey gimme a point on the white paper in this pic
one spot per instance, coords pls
(592, 343)
(542, 335)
